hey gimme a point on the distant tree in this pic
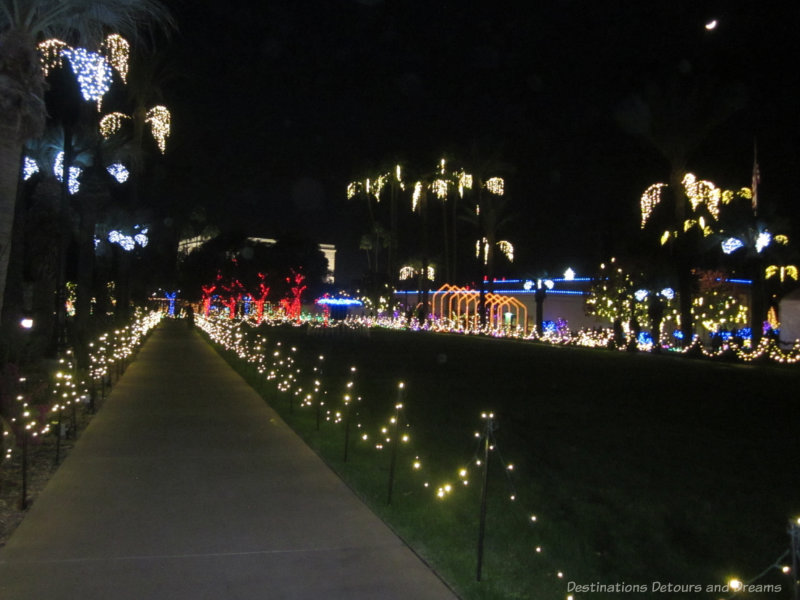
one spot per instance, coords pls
(673, 112)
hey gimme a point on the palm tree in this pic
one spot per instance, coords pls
(24, 23)
(674, 115)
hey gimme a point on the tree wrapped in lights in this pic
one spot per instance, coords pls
(696, 219)
(715, 307)
(613, 298)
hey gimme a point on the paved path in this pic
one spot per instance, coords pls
(186, 485)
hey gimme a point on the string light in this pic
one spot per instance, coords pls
(650, 199)
(111, 124)
(763, 240)
(415, 198)
(74, 173)
(93, 72)
(496, 185)
(159, 119)
(119, 172)
(439, 188)
(29, 168)
(51, 54)
(731, 245)
(118, 50)
(784, 272)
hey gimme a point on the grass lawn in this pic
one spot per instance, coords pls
(639, 468)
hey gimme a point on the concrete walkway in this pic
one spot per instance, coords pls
(186, 485)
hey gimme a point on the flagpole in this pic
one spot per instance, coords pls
(756, 178)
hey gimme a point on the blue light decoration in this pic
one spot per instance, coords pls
(677, 334)
(731, 245)
(74, 173)
(248, 299)
(29, 168)
(92, 70)
(644, 338)
(171, 298)
(119, 172)
(668, 293)
(640, 295)
(339, 302)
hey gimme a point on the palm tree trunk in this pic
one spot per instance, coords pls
(85, 276)
(391, 266)
(10, 168)
(446, 238)
(454, 270)
(60, 331)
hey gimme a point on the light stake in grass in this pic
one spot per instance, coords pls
(489, 417)
(318, 395)
(794, 533)
(347, 400)
(395, 439)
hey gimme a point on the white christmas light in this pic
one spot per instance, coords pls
(119, 172)
(92, 70)
(763, 240)
(74, 173)
(29, 168)
(640, 295)
(731, 245)
(668, 293)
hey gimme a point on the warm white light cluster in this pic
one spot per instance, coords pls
(158, 118)
(50, 54)
(702, 192)
(507, 248)
(439, 187)
(74, 173)
(496, 185)
(650, 199)
(119, 172)
(415, 198)
(380, 183)
(464, 182)
(111, 123)
(117, 51)
(783, 272)
(407, 272)
(93, 72)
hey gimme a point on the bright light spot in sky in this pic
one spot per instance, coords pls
(711, 25)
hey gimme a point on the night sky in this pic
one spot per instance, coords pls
(277, 108)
